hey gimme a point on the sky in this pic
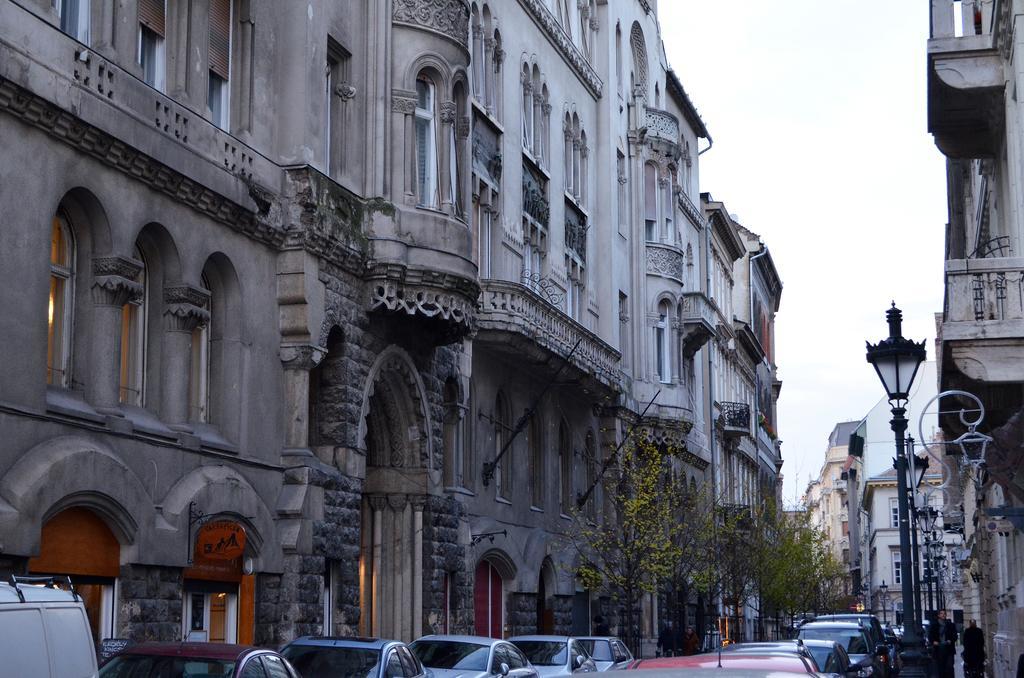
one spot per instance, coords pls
(818, 113)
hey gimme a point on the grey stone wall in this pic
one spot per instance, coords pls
(442, 554)
(150, 603)
(337, 537)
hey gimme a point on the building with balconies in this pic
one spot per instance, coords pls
(974, 114)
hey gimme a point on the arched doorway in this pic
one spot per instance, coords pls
(77, 542)
(219, 597)
(488, 600)
(398, 458)
(545, 598)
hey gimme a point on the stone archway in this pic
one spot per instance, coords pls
(394, 431)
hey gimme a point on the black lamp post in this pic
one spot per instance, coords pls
(884, 590)
(896, 361)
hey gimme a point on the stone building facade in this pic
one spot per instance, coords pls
(974, 114)
(299, 300)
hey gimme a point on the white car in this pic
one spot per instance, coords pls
(44, 631)
(471, 657)
(608, 652)
(555, 656)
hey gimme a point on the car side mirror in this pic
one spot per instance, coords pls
(503, 669)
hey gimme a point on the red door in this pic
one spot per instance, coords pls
(487, 600)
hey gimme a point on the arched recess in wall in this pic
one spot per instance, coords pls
(223, 337)
(639, 48)
(547, 586)
(493, 573)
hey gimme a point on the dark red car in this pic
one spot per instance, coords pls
(196, 660)
(781, 664)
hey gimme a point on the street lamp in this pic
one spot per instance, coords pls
(896, 360)
(884, 590)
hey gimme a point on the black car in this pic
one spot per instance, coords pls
(876, 633)
(865, 657)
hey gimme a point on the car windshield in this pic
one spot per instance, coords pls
(321, 661)
(821, 655)
(852, 639)
(449, 654)
(600, 650)
(543, 652)
(144, 666)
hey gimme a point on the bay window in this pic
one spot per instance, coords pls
(426, 143)
(58, 343)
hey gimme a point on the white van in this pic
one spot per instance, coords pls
(44, 632)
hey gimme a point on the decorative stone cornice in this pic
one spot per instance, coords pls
(113, 280)
(426, 294)
(301, 356)
(403, 101)
(185, 307)
(262, 225)
(447, 17)
(183, 293)
(543, 17)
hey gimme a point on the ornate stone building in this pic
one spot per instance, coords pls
(299, 300)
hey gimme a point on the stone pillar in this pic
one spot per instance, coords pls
(417, 566)
(487, 75)
(298, 360)
(377, 504)
(403, 107)
(184, 311)
(447, 189)
(113, 286)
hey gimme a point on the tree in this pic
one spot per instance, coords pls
(633, 543)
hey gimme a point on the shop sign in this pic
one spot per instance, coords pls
(220, 540)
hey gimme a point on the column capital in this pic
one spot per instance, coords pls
(301, 356)
(377, 502)
(113, 282)
(185, 307)
(448, 112)
(418, 502)
(403, 101)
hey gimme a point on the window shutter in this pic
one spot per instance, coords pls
(220, 36)
(151, 15)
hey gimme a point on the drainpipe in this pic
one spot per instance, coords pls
(750, 286)
(711, 142)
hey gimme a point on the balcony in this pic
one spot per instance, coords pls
(965, 77)
(665, 260)
(699, 322)
(983, 323)
(662, 125)
(735, 418)
(515, 320)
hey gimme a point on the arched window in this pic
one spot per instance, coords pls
(542, 147)
(133, 341)
(576, 156)
(567, 134)
(651, 202)
(661, 344)
(668, 234)
(538, 115)
(639, 49)
(593, 465)
(502, 428)
(456, 152)
(564, 468)
(494, 80)
(476, 36)
(527, 83)
(61, 303)
(199, 377)
(618, 58)
(426, 143)
(536, 444)
(584, 153)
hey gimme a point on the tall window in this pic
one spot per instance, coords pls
(894, 513)
(537, 478)
(592, 462)
(62, 274)
(74, 18)
(618, 58)
(502, 428)
(897, 572)
(564, 468)
(661, 345)
(623, 202)
(152, 15)
(133, 342)
(426, 144)
(453, 440)
(199, 377)
(528, 93)
(650, 203)
(218, 90)
(666, 206)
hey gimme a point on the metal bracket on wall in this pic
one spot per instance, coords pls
(477, 538)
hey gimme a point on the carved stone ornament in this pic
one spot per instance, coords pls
(301, 356)
(499, 58)
(664, 261)
(448, 112)
(424, 301)
(463, 128)
(449, 17)
(403, 102)
(113, 281)
(185, 307)
(546, 108)
(345, 91)
(547, 21)
(595, 23)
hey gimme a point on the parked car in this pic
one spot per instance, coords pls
(700, 672)
(44, 631)
(828, 656)
(855, 638)
(333, 657)
(743, 663)
(471, 657)
(608, 652)
(876, 633)
(555, 655)
(185, 660)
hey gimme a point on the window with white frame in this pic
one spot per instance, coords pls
(218, 95)
(74, 18)
(668, 235)
(897, 572)
(650, 202)
(133, 341)
(426, 143)
(61, 302)
(661, 344)
(575, 257)
(199, 376)
(894, 513)
(536, 213)
(527, 127)
(152, 21)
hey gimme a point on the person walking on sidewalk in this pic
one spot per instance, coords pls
(974, 650)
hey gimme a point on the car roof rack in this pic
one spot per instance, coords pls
(49, 581)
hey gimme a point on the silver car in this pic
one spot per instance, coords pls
(608, 652)
(471, 657)
(555, 656)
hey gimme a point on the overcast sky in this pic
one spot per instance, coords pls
(817, 110)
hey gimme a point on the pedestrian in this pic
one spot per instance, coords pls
(950, 636)
(691, 642)
(974, 648)
(666, 639)
(935, 643)
(601, 627)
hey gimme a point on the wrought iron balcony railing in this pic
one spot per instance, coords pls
(735, 418)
